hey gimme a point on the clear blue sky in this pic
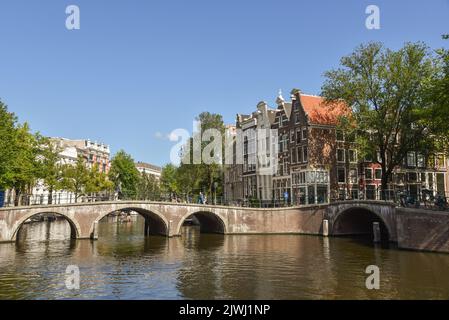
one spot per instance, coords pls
(136, 70)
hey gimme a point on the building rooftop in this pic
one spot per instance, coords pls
(321, 112)
(148, 166)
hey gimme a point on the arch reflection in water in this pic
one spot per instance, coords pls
(155, 223)
(208, 222)
(124, 264)
(54, 227)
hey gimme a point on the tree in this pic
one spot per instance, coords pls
(148, 187)
(97, 181)
(50, 167)
(169, 180)
(124, 175)
(7, 137)
(385, 89)
(203, 176)
(23, 170)
(437, 100)
(75, 177)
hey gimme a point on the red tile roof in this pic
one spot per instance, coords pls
(320, 112)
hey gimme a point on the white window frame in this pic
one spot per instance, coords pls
(302, 133)
(372, 177)
(338, 178)
(375, 170)
(356, 176)
(344, 156)
(355, 156)
(305, 158)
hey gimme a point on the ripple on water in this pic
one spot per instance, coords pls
(123, 264)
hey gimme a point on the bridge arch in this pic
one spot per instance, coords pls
(358, 220)
(155, 222)
(210, 222)
(75, 229)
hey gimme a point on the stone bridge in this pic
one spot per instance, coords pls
(351, 217)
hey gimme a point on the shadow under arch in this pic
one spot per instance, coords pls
(74, 226)
(359, 221)
(210, 222)
(155, 223)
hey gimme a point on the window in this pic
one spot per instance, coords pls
(292, 136)
(293, 155)
(286, 167)
(341, 175)
(368, 174)
(371, 192)
(353, 176)
(400, 178)
(352, 154)
(296, 118)
(298, 136)
(412, 177)
(411, 160)
(304, 133)
(340, 136)
(299, 154)
(340, 155)
(420, 160)
(378, 174)
(304, 154)
(284, 120)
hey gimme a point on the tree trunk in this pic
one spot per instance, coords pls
(384, 182)
(17, 195)
(50, 196)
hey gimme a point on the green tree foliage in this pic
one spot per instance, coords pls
(49, 165)
(193, 178)
(75, 177)
(8, 123)
(98, 181)
(22, 173)
(385, 89)
(148, 188)
(437, 100)
(124, 175)
(169, 180)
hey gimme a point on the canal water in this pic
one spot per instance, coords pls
(123, 264)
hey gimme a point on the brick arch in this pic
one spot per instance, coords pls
(150, 213)
(366, 210)
(75, 228)
(205, 214)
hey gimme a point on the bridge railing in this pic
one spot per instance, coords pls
(401, 199)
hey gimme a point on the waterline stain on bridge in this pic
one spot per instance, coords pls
(344, 218)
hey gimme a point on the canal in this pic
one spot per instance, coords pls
(124, 264)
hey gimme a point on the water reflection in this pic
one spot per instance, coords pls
(124, 264)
